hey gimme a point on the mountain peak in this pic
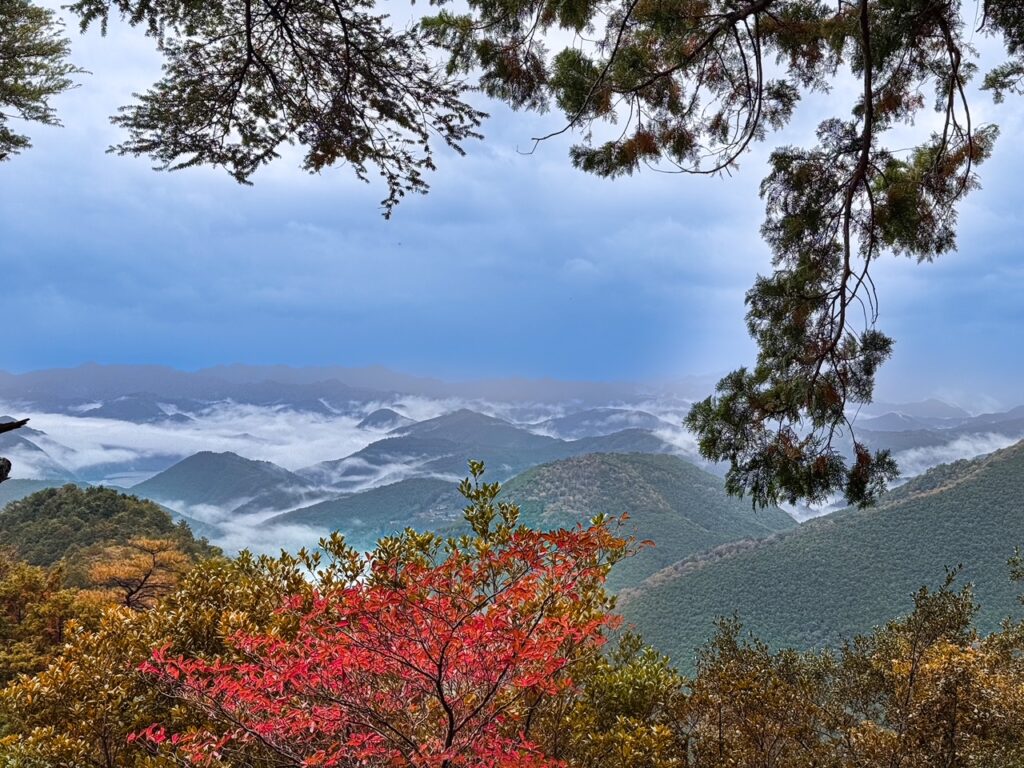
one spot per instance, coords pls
(384, 419)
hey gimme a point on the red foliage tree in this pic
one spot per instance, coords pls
(425, 653)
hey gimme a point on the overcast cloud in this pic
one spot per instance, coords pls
(513, 265)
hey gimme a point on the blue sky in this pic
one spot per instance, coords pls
(513, 265)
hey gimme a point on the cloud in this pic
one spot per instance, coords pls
(918, 460)
(291, 439)
(240, 534)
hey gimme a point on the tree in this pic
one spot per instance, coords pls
(750, 706)
(243, 79)
(82, 707)
(33, 68)
(425, 652)
(924, 690)
(36, 608)
(73, 524)
(690, 85)
(140, 572)
(628, 711)
(928, 690)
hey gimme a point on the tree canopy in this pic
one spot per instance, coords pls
(70, 522)
(486, 649)
(33, 67)
(689, 85)
(682, 85)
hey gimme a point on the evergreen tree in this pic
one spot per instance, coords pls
(689, 85)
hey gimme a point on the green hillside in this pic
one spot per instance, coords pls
(421, 502)
(678, 506)
(221, 479)
(44, 527)
(851, 570)
(682, 508)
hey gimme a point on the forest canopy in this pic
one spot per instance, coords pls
(495, 648)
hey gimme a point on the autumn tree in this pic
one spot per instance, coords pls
(929, 690)
(140, 572)
(628, 709)
(753, 707)
(82, 707)
(925, 690)
(427, 651)
(36, 608)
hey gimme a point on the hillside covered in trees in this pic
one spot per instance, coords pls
(851, 570)
(55, 523)
(497, 647)
(677, 507)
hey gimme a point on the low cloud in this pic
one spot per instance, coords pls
(285, 437)
(917, 460)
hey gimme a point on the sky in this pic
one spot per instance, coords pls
(514, 264)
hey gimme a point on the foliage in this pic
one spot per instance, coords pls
(486, 649)
(81, 710)
(688, 86)
(36, 609)
(925, 690)
(243, 80)
(628, 712)
(751, 707)
(59, 523)
(426, 651)
(140, 572)
(33, 68)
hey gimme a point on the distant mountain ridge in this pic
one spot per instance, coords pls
(429, 457)
(219, 479)
(247, 383)
(595, 422)
(442, 445)
(384, 419)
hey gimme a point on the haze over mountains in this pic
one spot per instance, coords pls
(271, 456)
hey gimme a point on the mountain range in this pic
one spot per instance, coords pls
(250, 461)
(123, 424)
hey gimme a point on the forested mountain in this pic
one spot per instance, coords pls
(138, 409)
(424, 503)
(442, 445)
(844, 573)
(594, 422)
(48, 525)
(224, 480)
(384, 419)
(678, 506)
